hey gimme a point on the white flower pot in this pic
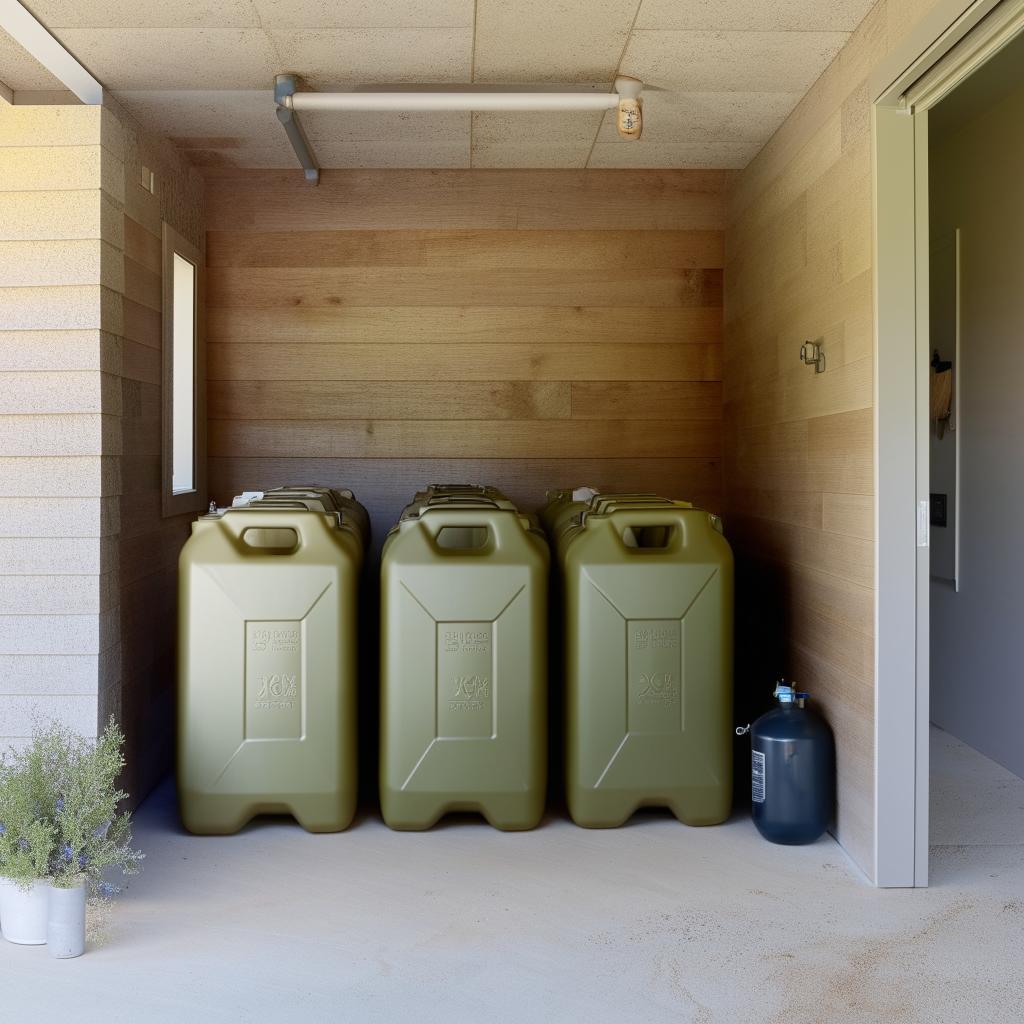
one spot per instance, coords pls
(23, 912)
(65, 928)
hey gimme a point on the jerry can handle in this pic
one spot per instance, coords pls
(497, 522)
(302, 522)
(625, 519)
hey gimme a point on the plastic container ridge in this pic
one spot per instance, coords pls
(647, 596)
(463, 662)
(267, 663)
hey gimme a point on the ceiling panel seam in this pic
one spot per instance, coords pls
(615, 74)
(472, 77)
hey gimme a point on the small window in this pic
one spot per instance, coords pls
(184, 384)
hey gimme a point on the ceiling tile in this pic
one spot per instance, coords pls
(673, 154)
(557, 139)
(426, 128)
(747, 16)
(530, 154)
(550, 40)
(722, 116)
(278, 154)
(143, 13)
(364, 13)
(562, 127)
(722, 74)
(240, 128)
(394, 153)
(20, 70)
(174, 58)
(327, 57)
(731, 61)
(225, 113)
(389, 139)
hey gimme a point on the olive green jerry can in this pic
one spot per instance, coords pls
(463, 664)
(647, 589)
(267, 667)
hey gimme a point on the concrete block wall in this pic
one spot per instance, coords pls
(87, 561)
(60, 431)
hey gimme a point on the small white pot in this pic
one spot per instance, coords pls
(65, 927)
(23, 912)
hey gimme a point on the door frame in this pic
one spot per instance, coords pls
(953, 40)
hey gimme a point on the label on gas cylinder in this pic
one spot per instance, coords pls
(757, 776)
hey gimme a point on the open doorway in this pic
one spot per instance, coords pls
(933, 83)
(976, 451)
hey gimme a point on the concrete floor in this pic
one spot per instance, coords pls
(649, 923)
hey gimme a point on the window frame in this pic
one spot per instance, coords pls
(195, 500)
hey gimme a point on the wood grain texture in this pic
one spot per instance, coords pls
(448, 200)
(799, 448)
(263, 287)
(530, 329)
(471, 439)
(358, 361)
(467, 249)
(388, 400)
(647, 400)
(483, 325)
(852, 515)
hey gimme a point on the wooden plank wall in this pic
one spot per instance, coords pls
(799, 447)
(530, 329)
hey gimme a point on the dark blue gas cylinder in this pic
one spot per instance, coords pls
(793, 770)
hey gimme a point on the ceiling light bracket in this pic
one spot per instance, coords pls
(285, 87)
(625, 99)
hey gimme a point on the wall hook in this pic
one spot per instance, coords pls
(813, 354)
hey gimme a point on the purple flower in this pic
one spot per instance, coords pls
(68, 853)
(106, 889)
(83, 861)
(3, 829)
(22, 844)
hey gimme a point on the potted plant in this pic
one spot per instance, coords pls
(68, 800)
(90, 837)
(26, 846)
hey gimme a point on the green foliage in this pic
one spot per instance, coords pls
(58, 809)
(26, 839)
